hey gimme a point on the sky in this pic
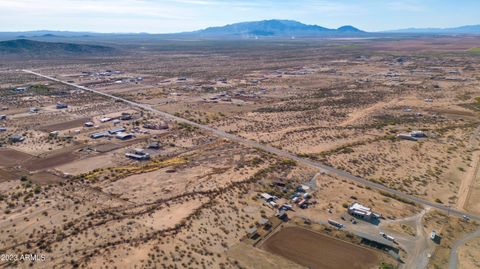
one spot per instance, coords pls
(170, 16)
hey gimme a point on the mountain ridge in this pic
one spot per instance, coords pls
(45, 49)
(274, 28)
(465, 29)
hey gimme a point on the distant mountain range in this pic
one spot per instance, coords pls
(24, 47)
(253, 29)
(467, 29)
(66, 43)
(274, 28)
(266, 28)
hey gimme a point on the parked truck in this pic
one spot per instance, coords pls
(336, 224)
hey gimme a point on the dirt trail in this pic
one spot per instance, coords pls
(453, 264)
(365, 112)
(473, 172)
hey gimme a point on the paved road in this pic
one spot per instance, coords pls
(273, 150)
(453, 264)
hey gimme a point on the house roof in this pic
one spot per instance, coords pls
(359, 207)
(263, 221)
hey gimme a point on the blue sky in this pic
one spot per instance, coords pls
(166, 16)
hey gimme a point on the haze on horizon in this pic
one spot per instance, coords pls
(169, 16)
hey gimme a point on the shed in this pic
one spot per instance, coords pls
(282, 214)
(16, 138)
(138, 154)
(124, 136)
(117, 130)
(61, 105)
(252, 233)
(154, 145)
(126, 116)
(267, 197)
(98, 135)
(106, 119)
(407, 137)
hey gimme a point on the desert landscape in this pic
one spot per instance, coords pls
(288, 153)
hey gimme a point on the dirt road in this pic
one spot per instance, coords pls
(473, 172)
(453, 263)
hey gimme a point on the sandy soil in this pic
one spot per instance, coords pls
(469, 255)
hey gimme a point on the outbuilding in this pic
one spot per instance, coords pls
(124, 136)
(154, 145)
(106, 119)
(98, 135)
(407, 137)
(117, 130)
(61, 106)
(138, 154)
(16, 138)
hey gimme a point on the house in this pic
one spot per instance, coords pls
(98, 135)
(435, 237)
(265, 223)
(3, 117)
(282, 214)
(417, 134)
(61, 106)
(267, 197)
(138, 154)
(359, 211)
(126, 116)
(124, 136)
(117, 130)
(16, 138)
(407, 137)
(105, 119)
(154, 145)
(252, 233)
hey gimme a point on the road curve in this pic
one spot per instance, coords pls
(453, 263)
(276, 151)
